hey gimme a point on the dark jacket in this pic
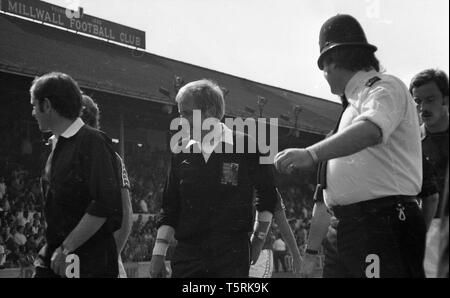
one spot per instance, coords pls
(83, 179)
(204, 199)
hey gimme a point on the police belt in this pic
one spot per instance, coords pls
(371, 206)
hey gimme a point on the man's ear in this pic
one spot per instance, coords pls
(445, 103)
(46, 105)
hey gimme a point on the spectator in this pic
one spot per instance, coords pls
(20, 219)
(3, 234)
(31, 245)
(279, 252)
(139, 223)
(5, 204)
(13, 259)
(143, 206)
(43, 224)
(301, 236)
(40, 239)
(17, 183)
(36, 217)
(2, 187)
(2, 254)
(19, 237)
(9, 239)
(35, 227)
(27, 230)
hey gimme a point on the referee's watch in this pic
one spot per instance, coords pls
(313, 155)
(65, 251)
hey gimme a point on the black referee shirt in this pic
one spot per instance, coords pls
(83, 179)
(202, 199)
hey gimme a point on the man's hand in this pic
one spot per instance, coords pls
(158, 266)
(288, 160)
(256, 247)
(58, 262)
(308, 266)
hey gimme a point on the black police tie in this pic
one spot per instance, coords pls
(322, 167)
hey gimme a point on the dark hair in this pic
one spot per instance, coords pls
(353, 58)
(90, 112)
(431, 75)
(61, 90)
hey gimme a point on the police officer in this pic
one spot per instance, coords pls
(371, 167)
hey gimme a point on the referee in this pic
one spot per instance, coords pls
(208, 198)
(82, 196)
(91, 116)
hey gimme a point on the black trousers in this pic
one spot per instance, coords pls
(380, 239)
(218, 256)
(279, 256)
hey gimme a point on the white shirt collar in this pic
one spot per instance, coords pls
(222, 134)
(69, 132)
(357, 82)
(73, 128)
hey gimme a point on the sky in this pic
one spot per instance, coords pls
(276, 41)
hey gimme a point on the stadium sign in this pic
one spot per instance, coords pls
(74, 20)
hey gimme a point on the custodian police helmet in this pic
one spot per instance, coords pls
(341, 30)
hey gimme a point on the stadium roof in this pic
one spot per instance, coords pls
(30, 48)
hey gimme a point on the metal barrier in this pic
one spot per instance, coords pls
(289, 261)
(11, 273)
(132, 270)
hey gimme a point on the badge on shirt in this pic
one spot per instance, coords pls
(230, 173)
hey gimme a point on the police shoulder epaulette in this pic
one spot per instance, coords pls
(372, 81)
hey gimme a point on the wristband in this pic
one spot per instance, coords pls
(165, 232)
(160, 248)
(265, 216)
(313, 154)
(64, 250)
(162, 240)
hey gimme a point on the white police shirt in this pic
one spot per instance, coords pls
(393, 167)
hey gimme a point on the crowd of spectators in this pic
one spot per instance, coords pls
(297, 192)
(147, 171)
(22, 226)
(141, 240)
